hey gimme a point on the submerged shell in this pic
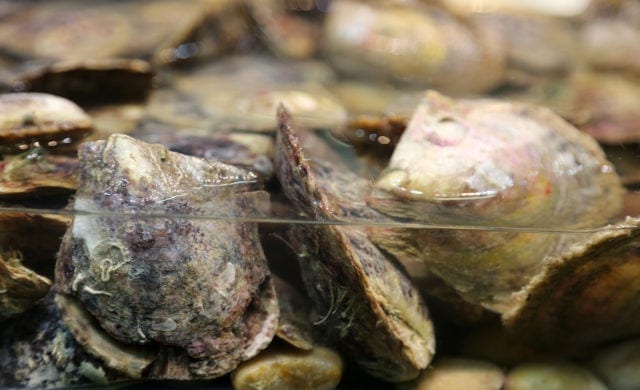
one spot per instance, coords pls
(37, 173)
(242, 93)
(20, 287)
(294, 325)
(457, 163)
(41, 119)
(458, 373)
(284, 32)
(87, 81)
(585, 296)
(282, 368)
(76, 30)
(552, 375)
(412, 44)
(172, 277)
(365, 304)
(38, 352)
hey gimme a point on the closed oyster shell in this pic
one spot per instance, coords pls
(180, 276)
(87, 81)
(37, 173)
(282, 368)
(585, 296)
(26, 118)
(76, 30)
(362, 300)
(252, 87)
(410, 43)
(457, 163)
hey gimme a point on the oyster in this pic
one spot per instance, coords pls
(152, 256)
(585, 296)
(412, 44)
(37, 173)
(20, 287)
(457, 163)
(457, 373)
(285, 33)
(552, 375)
(88, 81)
(38, 352)
(362, 300)
(535, 43)
(608, 36)
(282, 368)
(38, 119)
(253, 87)
(36, 236)
(228, 148)
(76, 30)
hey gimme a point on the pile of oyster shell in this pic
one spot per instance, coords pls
(305, 194)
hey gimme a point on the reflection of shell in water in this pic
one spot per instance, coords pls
(492, 164)
(173, 281)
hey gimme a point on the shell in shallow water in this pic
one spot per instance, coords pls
(489, 163)
(363, 302)
(182, 281)
(587, 295)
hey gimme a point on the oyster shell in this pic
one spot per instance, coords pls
(86, 81)
(607, 37)
(458, 373)
(365, 304)
(413, 44)
(38, 352)
(183, 276)
(224, 147)
(37, 173)
(457, 163)
(535, 43)
(253, 87)
(294, 325)
(284, 33)
(38, 119)
(552, 375)
(20, 287)
(76, 30)
(281, 368)
(585, 296)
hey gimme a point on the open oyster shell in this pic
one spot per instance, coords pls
(152, 257)
(457, 163)
(363, 301)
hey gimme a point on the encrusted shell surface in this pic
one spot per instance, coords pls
(458, 163)
(363, 301)
(181, 276)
